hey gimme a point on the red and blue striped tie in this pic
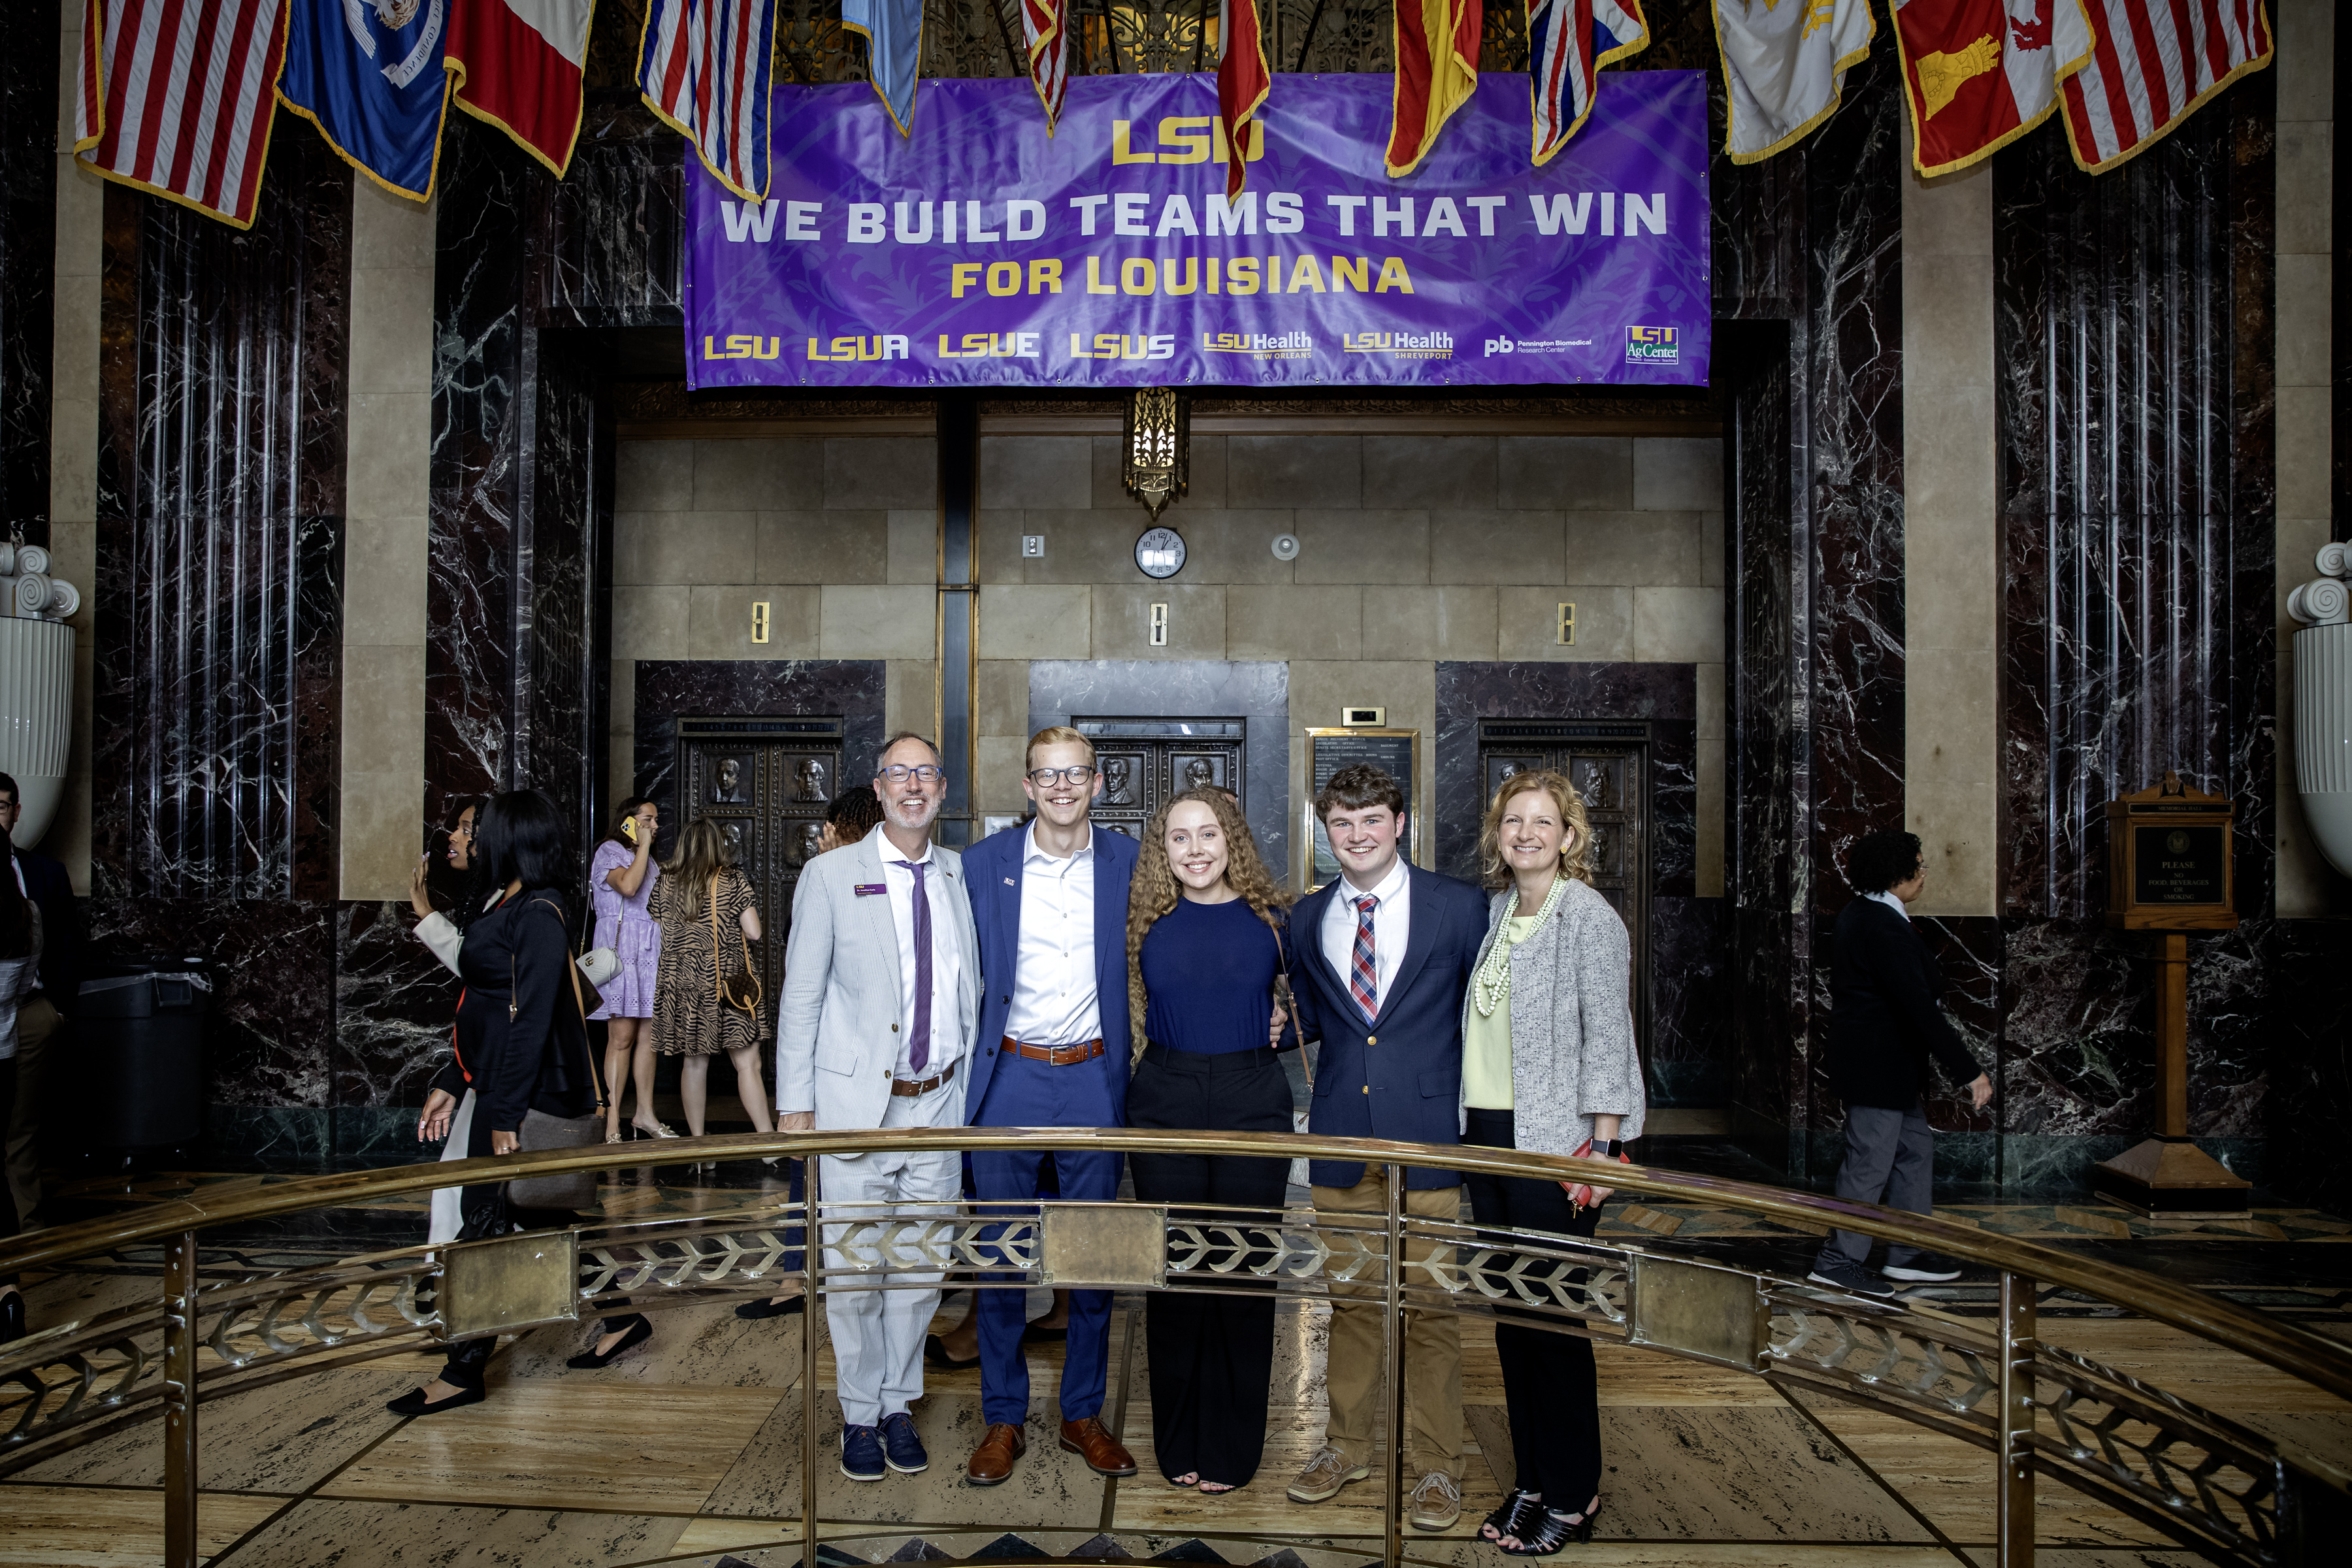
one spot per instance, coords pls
(1363, 976)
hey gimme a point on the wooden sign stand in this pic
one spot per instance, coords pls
(2169, 871)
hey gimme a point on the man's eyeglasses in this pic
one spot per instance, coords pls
(899, 773)
(1046, 778)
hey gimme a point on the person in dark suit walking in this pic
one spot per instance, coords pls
(1886, 1019)
(1385, 955)
(1049, 906)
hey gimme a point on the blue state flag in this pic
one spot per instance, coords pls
(368, 75)
(894, 50)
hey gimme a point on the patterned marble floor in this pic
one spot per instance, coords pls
(686, 1451)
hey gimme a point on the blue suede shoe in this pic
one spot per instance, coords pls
(861, 1453)
(903, 1448)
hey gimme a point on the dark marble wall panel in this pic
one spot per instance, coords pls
(615, 252)
(394, 1005)
(670, 690)
(29, 193)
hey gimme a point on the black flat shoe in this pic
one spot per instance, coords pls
(1553, 1531)
(786, 1308)
(413, 1403)
(633, 1336)
(1516, 1517)
(935, 1350)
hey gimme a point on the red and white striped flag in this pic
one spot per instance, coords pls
(704, 68)
(178, 98)
(1567, 43)
(1045, 29)
(2152, 64)
(516, 64)
(1242, 83)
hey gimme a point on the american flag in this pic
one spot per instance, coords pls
(175, 97)
(1045, 29)
(1242, 83)
(2152, 64)
(704, 66)
(1568, 42)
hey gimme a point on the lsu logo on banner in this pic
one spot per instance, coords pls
(1260, 345)
(1402, 345)
(881, 346)
(741, 346)
(1652, 345)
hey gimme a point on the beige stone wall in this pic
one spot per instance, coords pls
(1412, 549)
(387, 503)
(1951, 540)
(2307, 98)
(73, 436)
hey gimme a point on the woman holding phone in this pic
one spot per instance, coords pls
(1203, 949)
(621, 877)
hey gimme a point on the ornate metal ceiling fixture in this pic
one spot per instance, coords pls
(1159, 446)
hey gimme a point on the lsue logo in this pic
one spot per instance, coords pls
(1653, 346)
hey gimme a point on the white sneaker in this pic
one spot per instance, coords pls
(1927, 1268)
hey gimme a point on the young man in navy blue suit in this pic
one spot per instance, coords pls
(1384, 957)
(1049, 902)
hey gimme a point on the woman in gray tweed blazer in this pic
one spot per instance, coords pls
(1548, 1065)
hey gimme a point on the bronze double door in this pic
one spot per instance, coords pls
(1145, 761)
(767, 784)
(1608, 762)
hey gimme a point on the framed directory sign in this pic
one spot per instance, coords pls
(1398, 751)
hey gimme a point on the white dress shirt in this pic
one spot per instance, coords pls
(1054, 1000)
(1391, 926)
(947, 968)
(1892, 902)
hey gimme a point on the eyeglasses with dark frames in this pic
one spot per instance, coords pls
(1046, 778)
(922, 772)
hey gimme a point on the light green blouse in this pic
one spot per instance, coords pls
(1487, 1042)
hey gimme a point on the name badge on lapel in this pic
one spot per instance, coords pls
(870, 890)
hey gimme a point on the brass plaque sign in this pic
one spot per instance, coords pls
(1690, 1308)
(1102, 1248)
(509, 1282)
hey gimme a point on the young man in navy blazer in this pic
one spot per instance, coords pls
(1049, 900)
(1384, 957)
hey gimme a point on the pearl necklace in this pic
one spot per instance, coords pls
(1490, 987)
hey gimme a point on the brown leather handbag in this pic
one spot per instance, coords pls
(741, 990)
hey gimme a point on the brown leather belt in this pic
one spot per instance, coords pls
(909, 1088)
(1055, 1056)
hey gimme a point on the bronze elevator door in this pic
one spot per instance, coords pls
(1609, 762)
(766, 782)
(1144, 760)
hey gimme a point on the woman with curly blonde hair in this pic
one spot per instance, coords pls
(1203, 949)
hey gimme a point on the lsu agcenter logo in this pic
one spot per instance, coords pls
(1652, 345)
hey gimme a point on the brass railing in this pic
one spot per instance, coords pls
(2207, 1481)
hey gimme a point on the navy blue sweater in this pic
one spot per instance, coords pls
(1208, 977)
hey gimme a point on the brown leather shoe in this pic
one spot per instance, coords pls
(999, 1448)
(1101, 1451)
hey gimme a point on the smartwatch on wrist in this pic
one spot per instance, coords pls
(1610, 1148)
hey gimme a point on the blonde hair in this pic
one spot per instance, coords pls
(1154, 889)
(1576, 852)
(1055, 735)
(701, 855)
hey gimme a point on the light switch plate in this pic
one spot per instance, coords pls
(1033, 544)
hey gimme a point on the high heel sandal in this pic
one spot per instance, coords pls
(658, 1129)
(612, 1138)
(1513, 1518)
(1553, 1531)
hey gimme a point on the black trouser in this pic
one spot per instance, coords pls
(8, 1215)
(1550, 1386)
(1212, 1357)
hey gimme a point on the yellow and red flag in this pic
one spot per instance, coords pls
(1436, 71)
(1979, 74)
(1243, 81)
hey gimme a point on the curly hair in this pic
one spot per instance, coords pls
(1576, 853)
(1155, 890)
(1879, 860)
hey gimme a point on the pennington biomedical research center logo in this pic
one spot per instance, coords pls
(1653, 346)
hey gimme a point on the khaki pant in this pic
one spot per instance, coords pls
(36, 1021)
(1356, 1371)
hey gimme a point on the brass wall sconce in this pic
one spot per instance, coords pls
(1159, 446)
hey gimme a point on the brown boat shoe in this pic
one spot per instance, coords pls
(1102, 1452)
(1000, 1446)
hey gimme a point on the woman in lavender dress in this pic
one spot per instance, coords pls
(621, 888)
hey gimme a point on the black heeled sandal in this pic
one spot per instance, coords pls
(1513, 1518)
(633, 1336)
(1553, 1531)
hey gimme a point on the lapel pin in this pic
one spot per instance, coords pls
(1011, 883)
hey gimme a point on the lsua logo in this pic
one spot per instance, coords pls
(880, 345)
(1653, 346)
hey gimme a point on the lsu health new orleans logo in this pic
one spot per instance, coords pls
(1653, 346)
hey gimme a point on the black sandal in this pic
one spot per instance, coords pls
(1518, 1512)
(1552, 1532)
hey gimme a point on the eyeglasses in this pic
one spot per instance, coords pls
(899, 773)
(1046, 778)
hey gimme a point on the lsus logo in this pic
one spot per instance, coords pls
(1500, 346)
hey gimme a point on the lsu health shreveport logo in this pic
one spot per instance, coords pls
(1399, 345)
(1260, 345)
(1652, 345)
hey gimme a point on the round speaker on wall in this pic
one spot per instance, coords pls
(1285, 547)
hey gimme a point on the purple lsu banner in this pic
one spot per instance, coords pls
(979, 251)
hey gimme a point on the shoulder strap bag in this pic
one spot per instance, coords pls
(574, 1189)
(741, 990)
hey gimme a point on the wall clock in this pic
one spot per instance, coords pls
(1160, 553)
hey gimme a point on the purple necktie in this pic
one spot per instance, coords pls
(918, 1045)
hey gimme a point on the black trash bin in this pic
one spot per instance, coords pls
(140, 1035)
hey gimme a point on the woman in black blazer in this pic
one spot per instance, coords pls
(520, 1045)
